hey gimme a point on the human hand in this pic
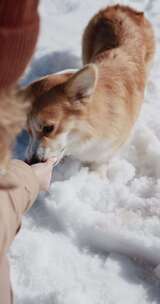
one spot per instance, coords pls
(43, 172)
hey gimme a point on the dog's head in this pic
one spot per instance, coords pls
(60, 104)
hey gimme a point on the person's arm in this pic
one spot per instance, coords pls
(14, 202)
(19, 26)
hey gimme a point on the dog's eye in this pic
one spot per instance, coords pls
(48, 129)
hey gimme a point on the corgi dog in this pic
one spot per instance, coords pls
(89, 114)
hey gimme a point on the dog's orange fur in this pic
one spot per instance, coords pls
(100, 104)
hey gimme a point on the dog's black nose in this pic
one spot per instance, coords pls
(33, 160)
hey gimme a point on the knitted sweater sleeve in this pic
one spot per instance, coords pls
(19, 26)
(15, 202)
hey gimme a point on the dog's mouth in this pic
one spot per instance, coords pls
(35, 159)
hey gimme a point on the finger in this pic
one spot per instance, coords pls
(52, 161)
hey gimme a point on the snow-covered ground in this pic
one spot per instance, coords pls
(93, 241)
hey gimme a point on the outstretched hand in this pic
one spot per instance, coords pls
(43, 172)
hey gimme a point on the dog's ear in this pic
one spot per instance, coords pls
(43, 85)
(37, 88)
(31, 92)
(82, 84)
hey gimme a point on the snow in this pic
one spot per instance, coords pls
(93, 241)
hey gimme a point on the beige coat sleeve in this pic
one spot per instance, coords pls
(14, 202)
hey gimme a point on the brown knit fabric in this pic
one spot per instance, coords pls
(19, 25)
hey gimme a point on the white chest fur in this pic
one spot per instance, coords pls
(92, 150)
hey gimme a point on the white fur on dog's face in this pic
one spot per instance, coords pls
(44, 147)
(54, 149)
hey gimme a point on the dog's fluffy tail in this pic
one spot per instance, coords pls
(109, 29)
(99, 36)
